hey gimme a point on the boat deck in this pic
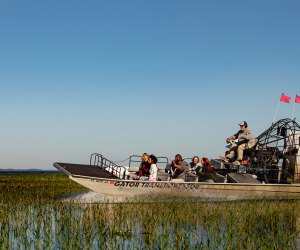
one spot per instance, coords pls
(84, 170)
(241, 178)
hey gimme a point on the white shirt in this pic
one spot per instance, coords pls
(153, 172)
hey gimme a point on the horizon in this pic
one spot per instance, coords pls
(122, 78)
(5, 170)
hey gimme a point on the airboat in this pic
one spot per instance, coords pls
(272, 170)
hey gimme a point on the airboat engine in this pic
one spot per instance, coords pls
(276, 157)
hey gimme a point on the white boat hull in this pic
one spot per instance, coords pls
(129, 188)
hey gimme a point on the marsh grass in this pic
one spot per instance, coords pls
(34, 215)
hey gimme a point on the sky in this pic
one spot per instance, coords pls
(127, 77)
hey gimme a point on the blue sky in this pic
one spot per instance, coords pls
(127, 77)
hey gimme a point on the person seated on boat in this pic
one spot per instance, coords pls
(153, 168)
(205, 171)
(240, 141)
(194, 164)
(144, 168)
(231, 141)
(179, 169)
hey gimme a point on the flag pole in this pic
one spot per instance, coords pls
(293, 111)
(295, 102)
(276, 112)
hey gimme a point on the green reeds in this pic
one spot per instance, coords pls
(35, 215)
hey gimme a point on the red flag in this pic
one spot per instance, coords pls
(297, 99)
(285, 98)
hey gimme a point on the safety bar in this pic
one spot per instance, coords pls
(160, 160)
(100, 161)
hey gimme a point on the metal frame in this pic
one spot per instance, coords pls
(160, 160)
(99, 160)
(275, 154)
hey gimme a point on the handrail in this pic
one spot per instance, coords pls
(100, 161)
(137, 159)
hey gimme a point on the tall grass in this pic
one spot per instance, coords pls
(34, 215)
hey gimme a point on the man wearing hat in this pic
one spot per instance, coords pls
(243, 139)
(180, 169)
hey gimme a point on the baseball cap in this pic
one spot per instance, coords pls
(243, 123)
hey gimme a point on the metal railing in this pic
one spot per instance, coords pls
(100, 161)
(161, 161)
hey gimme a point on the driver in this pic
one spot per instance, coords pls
(240, 141)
